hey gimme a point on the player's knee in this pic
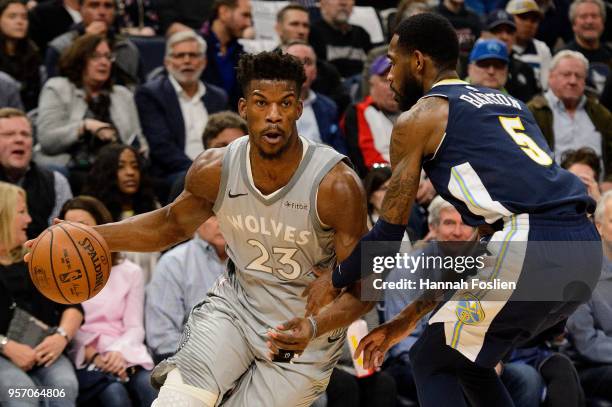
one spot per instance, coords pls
(175, 392)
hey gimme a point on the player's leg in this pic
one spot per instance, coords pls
(273, 384)
(212, 356)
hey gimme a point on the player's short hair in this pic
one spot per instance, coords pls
(600, 211)
(220, 121)
(576, 3)
(584, 155)
(270, 65)
(431, 34)
(291, 6)
(434, 209)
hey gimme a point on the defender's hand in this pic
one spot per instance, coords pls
(320, 292)
(375, 344)
(296, 336)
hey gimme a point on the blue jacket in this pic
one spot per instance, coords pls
(326, 112)
(162, 122)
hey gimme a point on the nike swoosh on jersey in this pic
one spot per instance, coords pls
(235, 195)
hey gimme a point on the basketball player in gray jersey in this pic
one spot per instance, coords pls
(284, 206)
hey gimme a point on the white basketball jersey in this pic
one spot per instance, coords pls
(274, 240)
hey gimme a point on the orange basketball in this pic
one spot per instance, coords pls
(70, 263)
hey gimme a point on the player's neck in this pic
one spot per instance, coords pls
(270, 175)
(430, 81)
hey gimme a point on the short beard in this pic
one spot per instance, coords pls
(275, 155)
(411, 93)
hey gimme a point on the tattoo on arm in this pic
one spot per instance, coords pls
(401, 193)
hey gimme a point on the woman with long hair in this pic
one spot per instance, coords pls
(113, 364)
(34, 331)
(18, 55)
(81, 111)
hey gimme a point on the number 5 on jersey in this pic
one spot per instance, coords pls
(286, 258)
(513, 126)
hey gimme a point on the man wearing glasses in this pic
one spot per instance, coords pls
(174, 108)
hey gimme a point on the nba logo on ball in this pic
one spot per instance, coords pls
(70, 263)
(469, 310)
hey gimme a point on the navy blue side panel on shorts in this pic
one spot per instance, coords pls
(494, 160)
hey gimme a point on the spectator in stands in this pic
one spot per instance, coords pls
(368, 124)
(585, 164)
(113, 365)
(489, 64)
(9, 92)
(98, 17)
(293, 24)
(521, 83)
(18, 55)
(222, 128)
(137, 17)
(229, 20)
(181, 280)
(189, 12)
(118, 178)
(555, 28)
(535, 53)
(81, 111)
(174, 108)
(606, 95)
(587, 18)
(119, 181)
(569, 119)
(50, 19)
(30, 365)
(46, 190)
(319, 120)
(337, 41)
(590, 327)
(405, 9)
(467, 25)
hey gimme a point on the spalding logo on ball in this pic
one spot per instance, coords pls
(70, 263)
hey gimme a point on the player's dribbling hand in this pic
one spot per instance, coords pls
(320, 292)
(296, 336)
(375, 344)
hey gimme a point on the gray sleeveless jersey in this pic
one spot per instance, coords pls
(275, 240)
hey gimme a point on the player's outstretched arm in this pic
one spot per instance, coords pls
(175, 222)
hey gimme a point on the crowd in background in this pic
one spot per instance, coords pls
(104, 105)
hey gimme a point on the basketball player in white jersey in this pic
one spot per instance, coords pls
(284, 206)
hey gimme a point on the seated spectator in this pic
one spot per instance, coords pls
(181, 280)
(467, 25)
(590, 326)
(9, 92)
(98, 17)
(293, 24)
(319, 119)
(46, 190)
(82, 110)
(606, 95)
(587, 18)
(489, 64)
(137, 17)
(222, 128)
(113, 365)
(174, 108)
(368, 124)
(337, 41)
(535, 53)
(28, 362)
(18, 55)
(584, 164)
(568, 118)
(521, 83)
(555, 28)
(189, 12)
(50, 19)
(230, 18)
(118, 179)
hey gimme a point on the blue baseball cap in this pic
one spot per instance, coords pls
(489, 49)
(380, 65)
(499, 17)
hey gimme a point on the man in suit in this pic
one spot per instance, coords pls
(174, 108)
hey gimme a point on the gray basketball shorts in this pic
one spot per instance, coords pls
(224, 353)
